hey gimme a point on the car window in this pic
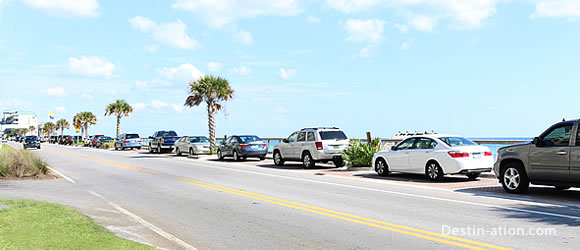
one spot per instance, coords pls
(332, 135)
(292, 137)
(406, 144)
(131, 136)
(310, 137)
(457, 141)
(198, 139)
(249, 138)
(301, 137)
(578, 137)
(425, 143)
(168, 133)
(559, 136)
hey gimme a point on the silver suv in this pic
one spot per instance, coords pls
(551, 159)
(311, 145)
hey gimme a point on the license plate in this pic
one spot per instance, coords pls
(476, 156)
(336, 147)
(255, 147)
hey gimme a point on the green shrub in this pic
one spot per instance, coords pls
(360, 154)
(20, 163)
(79, 143)
(107, 145)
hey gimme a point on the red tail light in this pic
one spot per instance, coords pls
(487, 154)
(125, 141)
(264, 144)
(319, 146)
(244, 145)
(162, 140)
(139, 141)
(455, 154)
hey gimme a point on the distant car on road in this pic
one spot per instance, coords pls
(65, 140)
(311, 145)
(551, 159)
(128, 141)
(53, 139)
(163, 140)
(241, 147)
(192, 145)
(102, 139)
(435, 155)
(93, 140)
(31, 141)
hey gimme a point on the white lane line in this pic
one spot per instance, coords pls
(148, 225)
(417, 195)
(61, 175)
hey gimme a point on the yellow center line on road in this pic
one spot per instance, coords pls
(104, 161)
(446, 239)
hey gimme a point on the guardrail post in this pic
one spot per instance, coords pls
(369, 137)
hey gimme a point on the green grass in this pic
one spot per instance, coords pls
(6, 148)
(28, 224)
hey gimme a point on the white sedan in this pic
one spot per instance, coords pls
(435, 155)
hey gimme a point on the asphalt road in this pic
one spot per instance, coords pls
(177, 202)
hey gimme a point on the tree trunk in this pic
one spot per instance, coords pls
(118, 125)
(211, 125)
(86, 131)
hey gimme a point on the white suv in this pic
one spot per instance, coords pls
(311, 145)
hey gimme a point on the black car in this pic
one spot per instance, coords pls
(242, 147)
(31, 141)
(102, 139)
(65, 140)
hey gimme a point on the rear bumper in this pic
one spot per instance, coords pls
(132, 145)
(465, 167)
(325, 156)
(256, 153)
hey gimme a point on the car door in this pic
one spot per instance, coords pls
(550, 159)
(419, 154)
(290, 152)
(575, 157)
(398, 159)
(297, 147)
(285, 147)
(179, 144)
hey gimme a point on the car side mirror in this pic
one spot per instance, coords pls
(394, 148)
(285, 140)
(537, 141)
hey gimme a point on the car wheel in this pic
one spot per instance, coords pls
(191, 152)
(338, 163)
(514, 179)
(473, 176)
(159, 148)
(562, 188)
(262, 158)
(177, 152)
(307, 160)
(150, 149)
(278, 161)
(219, 155)
(116, 148)
(434, 171)
(138, 148)
(381, 167)
(236, 156)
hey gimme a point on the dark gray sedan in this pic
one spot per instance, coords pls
(192, 145)
(31, 141)
(243, 146)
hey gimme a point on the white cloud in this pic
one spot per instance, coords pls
(243, 37)
(142, 85)
(60, 109)
(281, 110)
(177, 108)
(364, 30)
(92, 66)
(139, 106)
(402, 28)
(287, 73)
(184, 72)
(81, 8)
(214, 66)
(14, 103)
(407, 45)
(57, 91)
(350, 6)
(423, 23)
(557, 8)
(152, 48)
(313, 19)
(242, 70)
(173, 34)
(86, 96)
(157, 104)
(364, 52)
(217, 13)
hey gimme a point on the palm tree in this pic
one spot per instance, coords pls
(119, 108)
(32, 129)
(62, 124)
(86, 119)
(49, 127)
(211, 90)
(78, 123)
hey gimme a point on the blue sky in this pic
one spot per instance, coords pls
(479, 68)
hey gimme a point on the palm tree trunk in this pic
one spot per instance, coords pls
(118, 125)
(211, 125)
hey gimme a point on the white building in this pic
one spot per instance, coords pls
(18, 119)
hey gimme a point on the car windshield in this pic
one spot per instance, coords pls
(106, 138)
(457, 141)
(168, 134)
(198, 139)
(250, 138)
(332, 135)
(132, 136)
(31, 138)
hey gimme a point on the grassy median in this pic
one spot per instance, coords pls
(28, 224)
(17, 163)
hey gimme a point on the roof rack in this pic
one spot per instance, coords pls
(317, 128)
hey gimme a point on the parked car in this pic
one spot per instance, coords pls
(192, 145)
(53, 139)
(163, 140)
(435, 155)
(102, 139)
(93, 140)
(311, 145)
(128, 141)
(77, 138)
(551, 159)
(31, 141)
(4, 139)
(243, 146)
